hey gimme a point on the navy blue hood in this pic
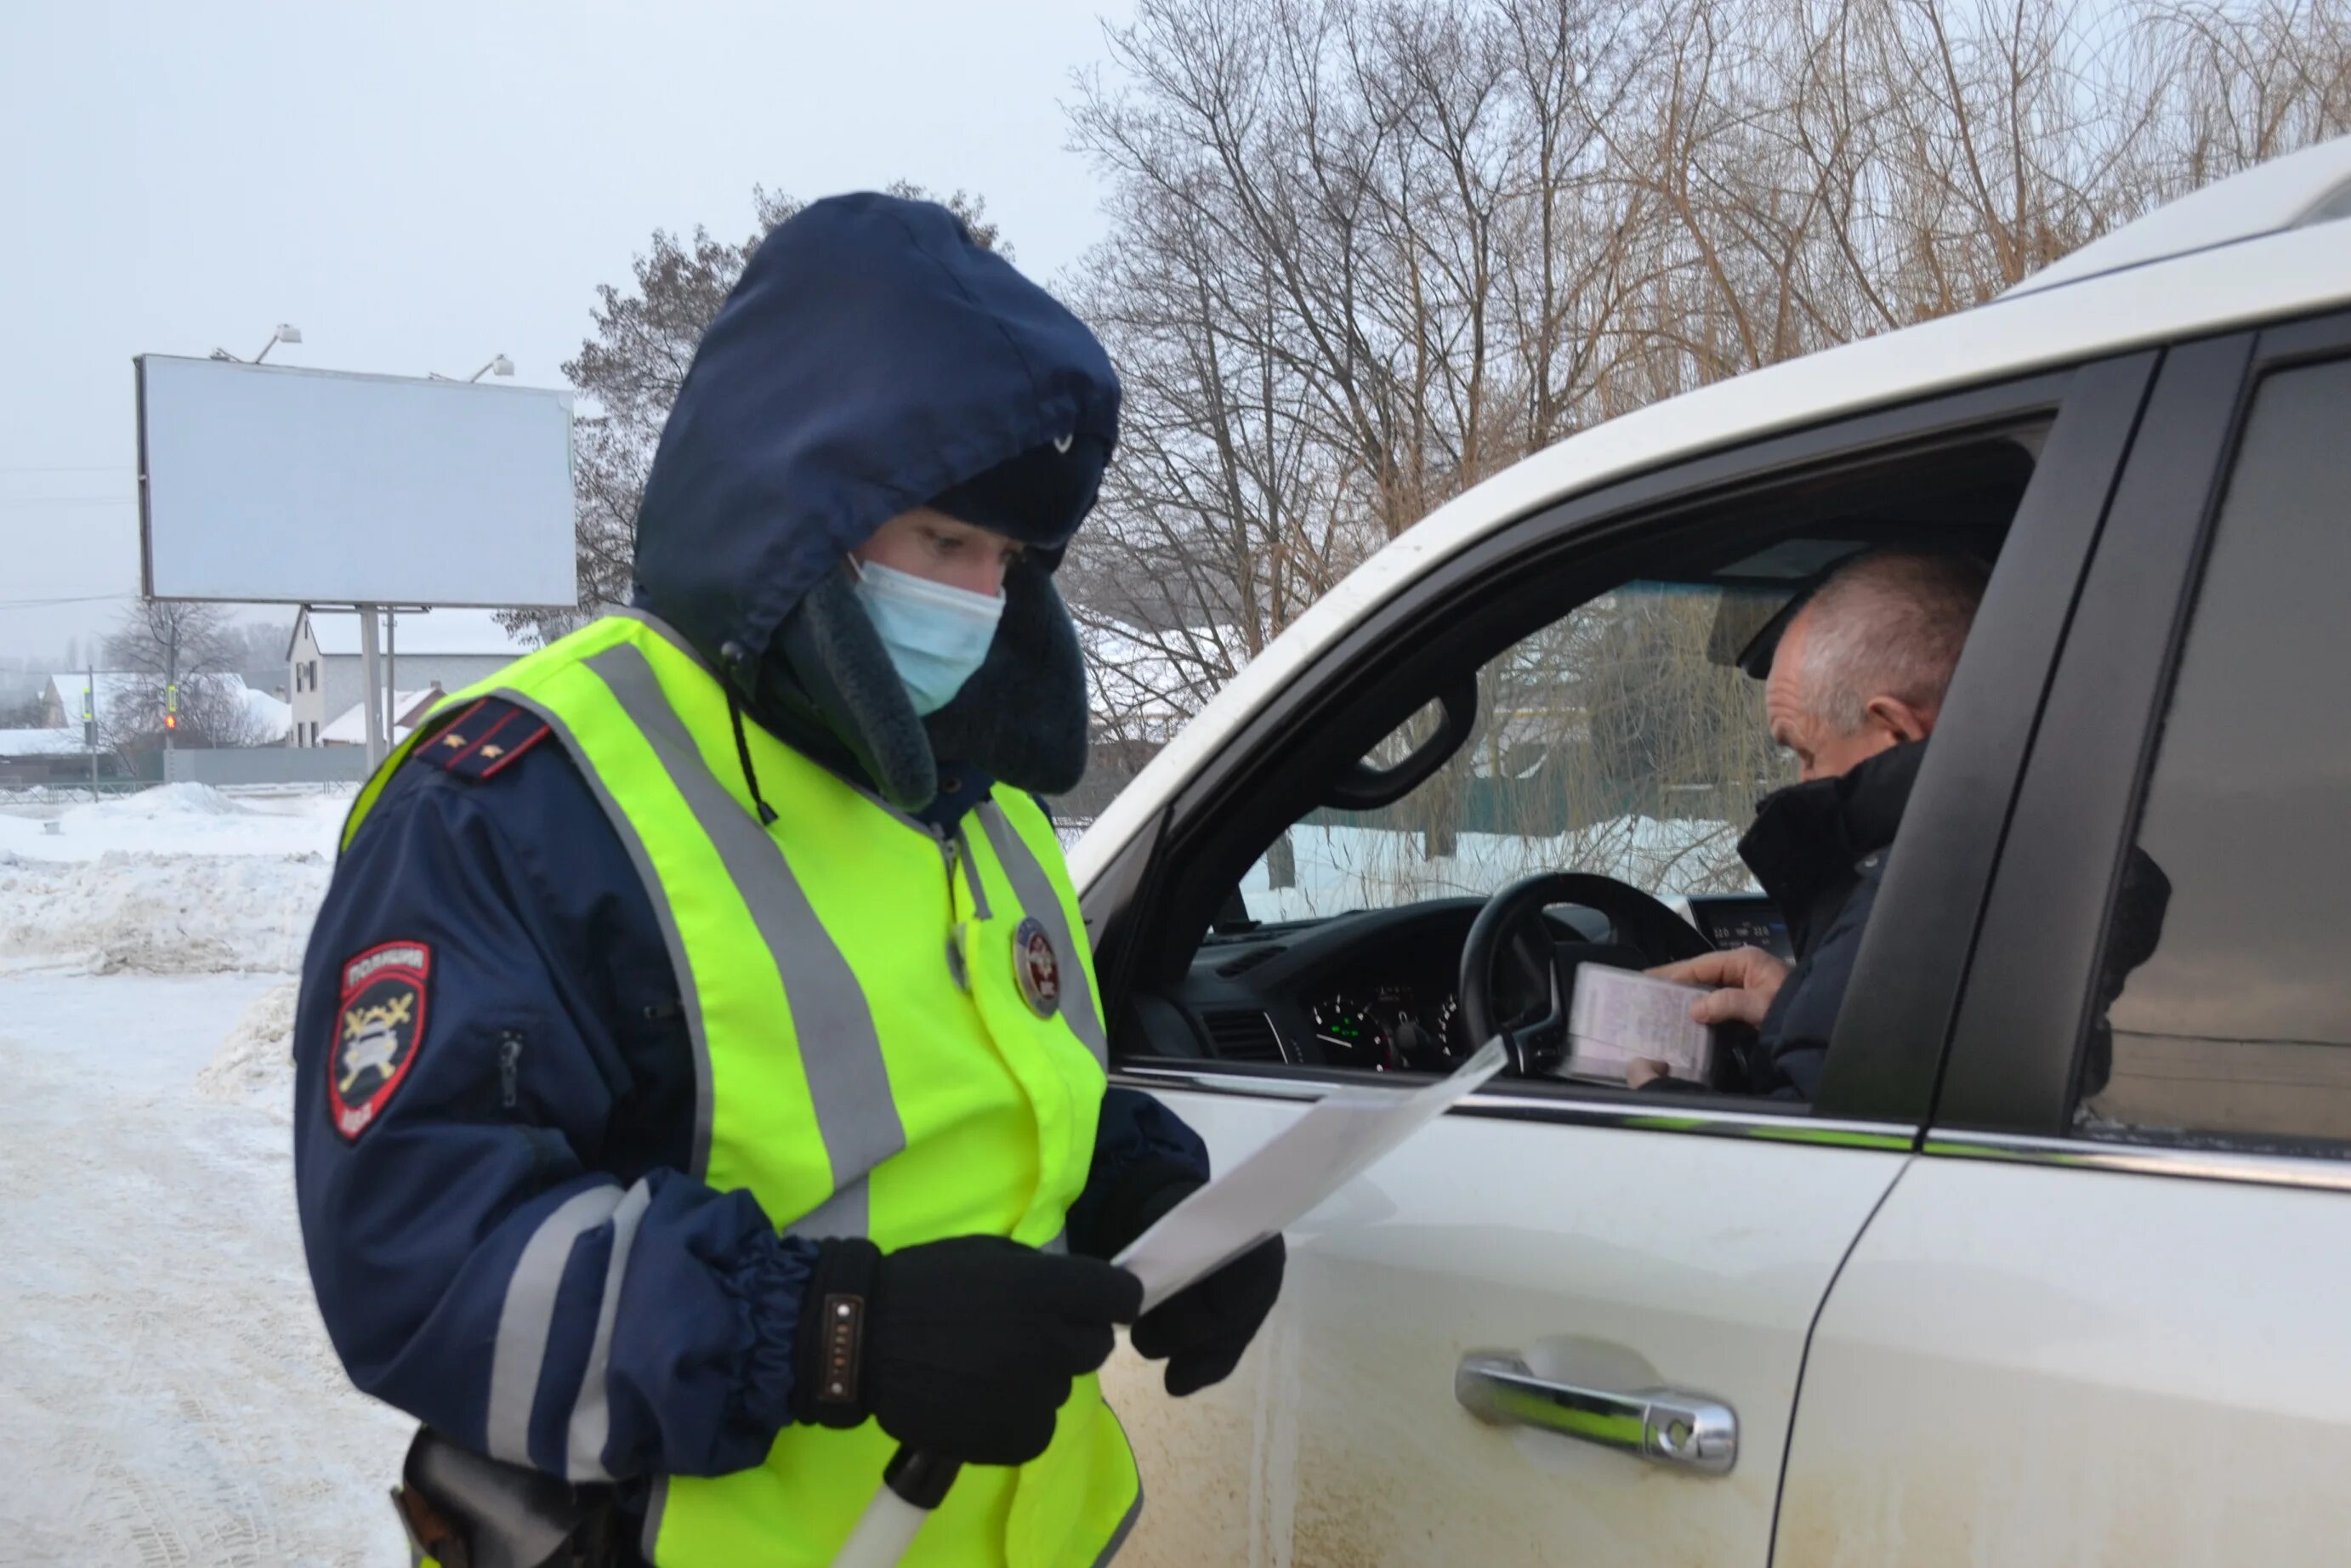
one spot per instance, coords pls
(870, 358)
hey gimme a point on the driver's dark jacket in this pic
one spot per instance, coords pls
(1819, 850)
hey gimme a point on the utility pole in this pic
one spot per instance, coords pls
(90, 725)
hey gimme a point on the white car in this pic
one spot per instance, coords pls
(1976, 1304)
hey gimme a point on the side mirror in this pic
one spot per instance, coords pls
(1364, 788)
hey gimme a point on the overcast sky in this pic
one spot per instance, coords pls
(419, 187)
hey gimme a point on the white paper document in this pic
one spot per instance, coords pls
(1272, 1189)
(1620, 1017)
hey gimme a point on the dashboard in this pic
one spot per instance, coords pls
(1742, 920)
(1373, 991)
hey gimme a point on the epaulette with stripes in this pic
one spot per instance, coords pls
(482, 740)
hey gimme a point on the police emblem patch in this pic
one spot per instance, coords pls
(378, 1029)
(1038, 968)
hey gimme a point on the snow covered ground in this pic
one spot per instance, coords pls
(167, 1396)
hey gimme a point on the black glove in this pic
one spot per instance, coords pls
(963, 1347)
(1202, 1330)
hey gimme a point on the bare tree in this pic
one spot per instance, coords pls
(158, 644)
(1365, 254)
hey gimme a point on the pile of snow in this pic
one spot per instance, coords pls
(161, 914)
(163, 802)
(176, 819)
(178, 880)
(254, 1064)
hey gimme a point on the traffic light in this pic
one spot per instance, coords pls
(170, 721)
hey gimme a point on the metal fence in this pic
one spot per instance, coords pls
(268, 765)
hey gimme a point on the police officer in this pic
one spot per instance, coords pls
(700, 1075)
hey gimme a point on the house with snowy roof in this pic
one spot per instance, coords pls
(409, 708)
(450, 649)
(217, 707)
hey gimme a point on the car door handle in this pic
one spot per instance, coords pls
(1687, 1431)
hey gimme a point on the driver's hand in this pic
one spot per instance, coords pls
(1641, 1072)
(1744, 981)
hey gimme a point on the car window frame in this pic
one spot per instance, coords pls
(2093, 408)
(2023, 1014)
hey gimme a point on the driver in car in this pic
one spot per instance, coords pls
(1856, 685)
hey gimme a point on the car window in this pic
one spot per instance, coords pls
(1618, 739)
(2229, 960)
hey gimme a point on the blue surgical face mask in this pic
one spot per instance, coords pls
(936, 635)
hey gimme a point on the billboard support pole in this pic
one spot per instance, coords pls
(391, 676)
(372, 678)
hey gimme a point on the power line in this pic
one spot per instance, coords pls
(70, 599)
(66, 468)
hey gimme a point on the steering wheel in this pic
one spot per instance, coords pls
(1534, 1031)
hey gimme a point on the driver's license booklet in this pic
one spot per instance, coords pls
(1621, 1016)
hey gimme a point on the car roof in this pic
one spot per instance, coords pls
(2209, 286)
(2310, 185)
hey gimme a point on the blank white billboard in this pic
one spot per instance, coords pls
(275, 483)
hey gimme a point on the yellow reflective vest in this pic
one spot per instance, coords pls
(896, 1036)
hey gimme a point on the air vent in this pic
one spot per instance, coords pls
(1243, 1036)
(1250, 960)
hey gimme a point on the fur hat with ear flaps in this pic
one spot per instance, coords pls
(873, 359)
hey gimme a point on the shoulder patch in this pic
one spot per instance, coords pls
(483, 739)
(379, 1029)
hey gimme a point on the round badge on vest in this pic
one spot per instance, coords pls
(1038, 968)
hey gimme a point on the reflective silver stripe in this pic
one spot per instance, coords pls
(847, 1212)
(1125, 1527)
(672, 940)
(1035, 891)
(971, 875)
(519, 1353)
(1057, 1247)
(592, 1412)
(1134, 1510)
(657, 1505)
(840, 1050)
(665, 632)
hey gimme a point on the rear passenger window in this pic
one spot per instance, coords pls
(2225, 1004)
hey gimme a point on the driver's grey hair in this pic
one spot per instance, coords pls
(1890, 624)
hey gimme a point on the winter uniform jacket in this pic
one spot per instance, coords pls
(486, 929)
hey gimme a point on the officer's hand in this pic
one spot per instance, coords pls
(964, 1348)
(1748, 978)
(1201, 1331)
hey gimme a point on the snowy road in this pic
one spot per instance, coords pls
(167, 1396)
